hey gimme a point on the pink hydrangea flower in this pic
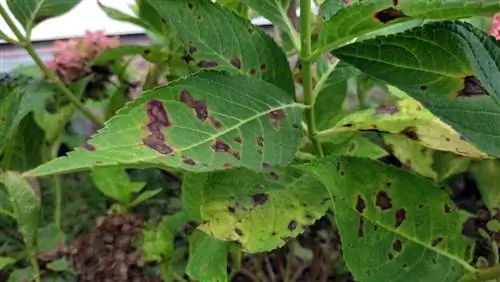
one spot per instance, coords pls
(71, 57)
(495, 27)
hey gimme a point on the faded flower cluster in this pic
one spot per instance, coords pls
(71, 57)
(495, 26)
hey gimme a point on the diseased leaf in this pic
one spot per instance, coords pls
(115, 183)
(407, 224)
(217, 38)
(355, 146)
(32, 12)
(450, 67)
(411, 154)
(276, 12)
(486, 174)
(409, 118)
(207, 121)
(26, 206)
(361, 17)
(6, 262)
(236, 204)
(207, 258)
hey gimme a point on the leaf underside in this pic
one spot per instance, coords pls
(205, 122)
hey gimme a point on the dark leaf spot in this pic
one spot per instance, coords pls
(352, 146)
(274, 175)
(394, 2)
(188, 161)
(220, 146)
(448, 208)
(400, 217)
(368, 272)
(199, 106)
(347, 125)
(251, 30)
(424, 87)
(292, 225)
(295, 125)
(260, 199)
(231, 209)
(390, 256)
(277, 114)
(236, 155)
(420, 206)
(389, 14)
(388, 184)
(360, 204)
(215, 123)
(273, 233)
(383, 200)
(192, 49)
(190, 5)
(381, 110)
(237, 140)
(227, 165)
(238, 231)
(434, 261)
(153, 142)
(397, 245)
(472, 87)
(89, 147)
(199, 18)
(263, 67)
(404, 265)
(253, 71)
(411, 133)
(266, 165)
(436, 241)
(236, 62)
(361, 226)
(158, 119)
(260, 141)
(309, 216)
(207, 64)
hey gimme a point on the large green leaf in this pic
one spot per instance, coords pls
(362, 17)
(9, 105)
(207, 258)
(276, 12)
(445, 66)
(26, 206)
(218, 38)
(32, 12)
(237, 203)
(115, 183)
(407, 225)
(208, 121)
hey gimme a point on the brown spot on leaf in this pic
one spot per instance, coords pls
(361, 231)
(260, 141)
(237, 140)
(188, 161)
(236, 155)
(448, 208)
(227, 165)
(383, 200)
(360, 204)
(394, 2)
(400, 217)
(436, 241)
(231, 209)
(347, 125)
(277, 114)
(238, 231)
(89, 147)
(158, 119)
(263, 67)
(192, 49)
(236, 62)
(251, 30)
(424, 87)
(274, 175)
(389, 14)
(157, 144)
(265, 165)
(292, 225)
(215, 123)
(390, 256)
(253, 71)
(199, 106)
(220, 146)
(411, 133)
(397, 245)
(207, 64)
(259, 199)
(472, 87)
(382, 110)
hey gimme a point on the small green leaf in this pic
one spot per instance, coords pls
(486, 174)
(207, 258)
(409, 118)
(50, 238)
(447, 164)
(149, 15)
(416, 234)
(144, 196)
(26, 206)
(218, 38)
(236, 203)
(59, 265)
(6, 262)
(450, 67)
(121, 16)
(276, 12)
(411, 154)
(361, 17)
(115, 183)
(207, 121)
(32, 12)
(22, 274)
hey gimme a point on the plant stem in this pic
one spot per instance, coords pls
(35, 265)
(306, 71)
(7, 214)
(485, 274)
(26, 43)
(289, 261)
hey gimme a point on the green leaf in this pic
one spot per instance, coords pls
(447, 164)
(330, 8)
(207, 121)
(59, 265)
(409, 118)
(108, 55)
(6, 262)
(207, 258)
(362, 17)
(416, 235)
(115, 183)
(144, 196)
(22, 274)
(486, 174)
(411, 154)
(121, 16)
(50, 238)
(445, 66)
(32, 12)
(236, 204)
(149, 15)
(9, 106)
(276, 12)
(218, 38)
(355, 146)
(192, 194)
(26, 206)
